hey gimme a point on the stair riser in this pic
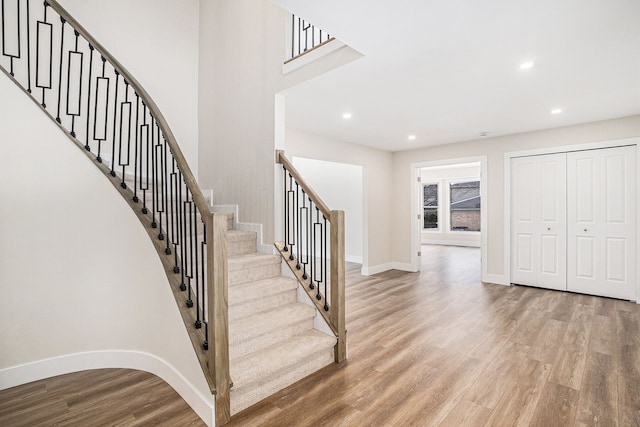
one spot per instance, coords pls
(252, 393)
(242, 247)
(239, 349)
(259, 272)
(261, 305)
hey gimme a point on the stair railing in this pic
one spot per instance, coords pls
(305, 37)
(314, 242)
(106, 111)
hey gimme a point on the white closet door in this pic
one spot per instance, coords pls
(538, 221)
(602, 222)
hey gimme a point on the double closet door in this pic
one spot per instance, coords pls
(573, 221)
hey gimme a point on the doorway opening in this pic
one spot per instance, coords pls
(449, 210)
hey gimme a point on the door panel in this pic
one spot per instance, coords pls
(538, 221)
(602, 235)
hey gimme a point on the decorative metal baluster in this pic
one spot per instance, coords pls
(286, 212)
(305, 263)
(296, 225)
(137, 157)
(115, 120)
(12, 52)
(64, 21)
(319, 240)
(174, 218)
(74, 58)
(325, 260)
(28, 50)
(159, 185)
(125, 107)
(44, 55)
(196, 270)
(291, 214)
(102, 93)
(166, 198)
(205, 307)
(187, 248)
(86, 141)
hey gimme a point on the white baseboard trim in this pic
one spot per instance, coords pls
(246, 226)
(451, 243)
(497, 279)
(404, 266)
(47, 368)
(368, 271)
(353, 258)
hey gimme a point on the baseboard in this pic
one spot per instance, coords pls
(47, 368)
(404, 266)
(246, 226)
(368, 271)
(353, 258)
(497, 279)
(451, 243)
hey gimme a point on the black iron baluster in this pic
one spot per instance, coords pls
(44, 74)
(102, 92)
(313, 270)
(286, 212)
(74, 57)
(187, 247)
(115, 120)
(174, 218)
(205, 345)
(182, 239)
(12, 55)
(86, 141)
(293, 36)
(199, 296)
(291, 214)
(325, 261)
(305, 222)
(126, 103)
(296, 225)
(28, 50)
(137, 157)
(166, 199)
(299, 36)
(64, 21)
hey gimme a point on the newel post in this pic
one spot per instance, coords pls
(218, 316)
(337, 283)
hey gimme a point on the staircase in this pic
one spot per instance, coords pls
(272, 343)
(249, 332)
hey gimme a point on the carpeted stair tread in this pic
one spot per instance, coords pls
(240, 262)
(260, 289)
(258, 365)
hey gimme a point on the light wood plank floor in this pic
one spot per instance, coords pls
(436, 348)
(103, 397)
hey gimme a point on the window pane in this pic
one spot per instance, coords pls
(430, 218)
(465, 206)
(430, 195)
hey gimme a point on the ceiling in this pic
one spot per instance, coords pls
(446, 71)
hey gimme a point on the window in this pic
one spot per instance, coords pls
(430, 205)
(464, 205)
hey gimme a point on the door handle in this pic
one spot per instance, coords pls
(585, 229)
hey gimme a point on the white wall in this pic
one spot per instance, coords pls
(441, 175)
(378, 189)
(157, 41)
(82, 286)
(494, 149)
(340, 187)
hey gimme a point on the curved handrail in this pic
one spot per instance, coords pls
(198, 196)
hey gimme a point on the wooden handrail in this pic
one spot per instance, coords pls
(282, 159)
(198, 197)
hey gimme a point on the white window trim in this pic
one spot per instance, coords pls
(444, 201)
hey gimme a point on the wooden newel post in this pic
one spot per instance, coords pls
(218, 316)
(337, 302)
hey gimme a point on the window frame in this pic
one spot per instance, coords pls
(438, 207)
(448, 183)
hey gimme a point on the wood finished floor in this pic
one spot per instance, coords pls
(436, 348)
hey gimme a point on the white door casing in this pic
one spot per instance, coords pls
(602, 217)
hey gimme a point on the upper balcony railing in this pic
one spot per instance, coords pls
(305, 37)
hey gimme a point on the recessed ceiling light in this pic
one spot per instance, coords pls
(526, 65)
(346, 115)
(411, 137)
(556, 111)
(484, 134)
